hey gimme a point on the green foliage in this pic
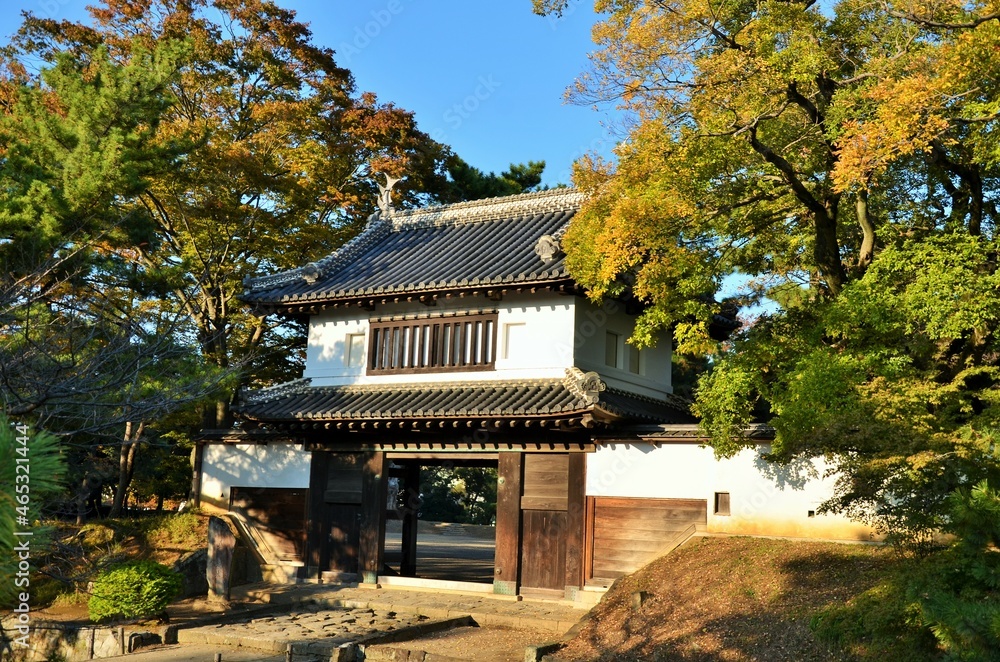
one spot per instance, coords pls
(184, 530)
(163, 470)
(176, 529)
(24, 497)
(895, 379)
(960, 599)
(470, 183)
(133, 590)
(882, 623)
(945, 604)
(466, 495)
(76, 144)
(841, 160)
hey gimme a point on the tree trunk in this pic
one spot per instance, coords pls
(867, 250)
(126, 466)
(82, 496)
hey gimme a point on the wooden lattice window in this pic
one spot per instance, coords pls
(433, 344)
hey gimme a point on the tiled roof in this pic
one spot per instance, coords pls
(579, 397)
(512, 240)
(667, 432)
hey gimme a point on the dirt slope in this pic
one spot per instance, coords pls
(728, 599)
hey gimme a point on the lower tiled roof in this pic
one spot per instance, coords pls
(577, 398)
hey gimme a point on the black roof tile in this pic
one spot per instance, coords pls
(575, 395)
(484, 242)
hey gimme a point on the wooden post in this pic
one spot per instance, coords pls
(373, 505)
(315, 535)
(288, 653)
(506, 575)
(410, 511)
(221, 543)
(197, 462)
(575, 524)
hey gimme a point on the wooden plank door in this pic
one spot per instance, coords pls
(336, 482)
(552, 529)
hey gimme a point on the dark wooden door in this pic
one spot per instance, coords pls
(341, 482)
(552, 510)
(543, 555)
(342, 524)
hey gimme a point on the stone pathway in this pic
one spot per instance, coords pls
(310, 628)
(329, 622)
(552, 617)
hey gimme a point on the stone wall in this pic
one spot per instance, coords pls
(73, 642)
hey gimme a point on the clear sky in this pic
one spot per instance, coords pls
(485, 77)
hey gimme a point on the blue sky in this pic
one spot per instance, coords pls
(486, 78)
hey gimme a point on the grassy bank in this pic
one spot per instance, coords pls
(758, 599)
(78, 553)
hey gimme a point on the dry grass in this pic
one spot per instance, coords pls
(731, 599)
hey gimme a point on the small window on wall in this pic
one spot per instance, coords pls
(514, 336)
(634, 361)
(611, 349)
(722, 503)
(354, 349)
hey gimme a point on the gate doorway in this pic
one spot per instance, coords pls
(423, 491)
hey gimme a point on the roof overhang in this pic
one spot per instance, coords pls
(427, 297)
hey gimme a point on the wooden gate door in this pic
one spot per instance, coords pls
(552, 523)
(336, 511)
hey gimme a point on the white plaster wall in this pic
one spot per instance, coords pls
(535, 339)
(765, 499)
(251, 465)
(592, 324)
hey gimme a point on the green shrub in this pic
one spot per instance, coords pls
(133, 590)
(960, 596)
(882, 623)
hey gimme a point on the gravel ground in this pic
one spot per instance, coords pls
(490, 644)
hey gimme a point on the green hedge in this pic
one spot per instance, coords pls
(133, 590)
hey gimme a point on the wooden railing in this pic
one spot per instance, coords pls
(433, 344)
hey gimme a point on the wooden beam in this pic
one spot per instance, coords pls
(507, 557)
(374, 494)
(410, 510)
(576, 524)
(315, 507)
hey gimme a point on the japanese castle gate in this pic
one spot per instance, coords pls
(454, 334)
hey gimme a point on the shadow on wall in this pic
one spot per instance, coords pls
(794, 475)
(256, 465)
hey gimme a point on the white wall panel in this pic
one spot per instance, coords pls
(765, 499)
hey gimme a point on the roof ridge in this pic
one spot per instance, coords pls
(488, 209)
(458, 213)
(375, 228)
(255, 396)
